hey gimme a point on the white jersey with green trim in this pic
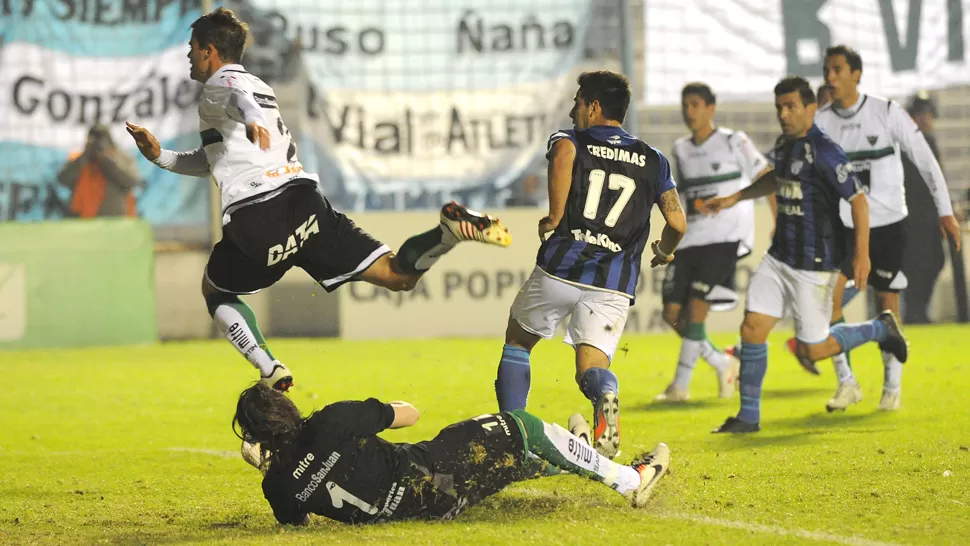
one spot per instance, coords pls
(872, 133)
(726, 162)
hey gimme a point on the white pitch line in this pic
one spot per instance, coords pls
(774, 530)
(213, 452)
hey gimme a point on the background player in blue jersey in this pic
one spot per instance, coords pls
(603, 183)
(799, 272)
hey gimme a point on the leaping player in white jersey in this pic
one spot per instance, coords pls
(273, 216)
(710, 162)
(873, 131)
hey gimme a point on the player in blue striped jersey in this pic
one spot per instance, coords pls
(603, 184)
(799, 272)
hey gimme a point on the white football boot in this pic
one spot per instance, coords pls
(651, 466)
(847, 394)
(281, 379)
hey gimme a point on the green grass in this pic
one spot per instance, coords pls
(133, 445)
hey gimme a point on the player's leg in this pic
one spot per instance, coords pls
(420, 252)
(594, 329)
(766, 304)
(540, 305)
(848, 391)
(232, 271)
(560, 448)
(887, 244)
(676, 313)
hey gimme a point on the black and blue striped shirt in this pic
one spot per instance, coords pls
(617, 178)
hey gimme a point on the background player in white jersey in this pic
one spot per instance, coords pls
(712, 161)
(274, 217)
(873, 131)
(603, 185)
(812, 176)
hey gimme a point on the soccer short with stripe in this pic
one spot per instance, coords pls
(777, 289)
(596, 317)
(298, 227)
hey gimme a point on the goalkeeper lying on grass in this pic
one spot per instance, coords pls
(333, 464)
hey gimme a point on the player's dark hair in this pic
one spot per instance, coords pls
(702, 90)
(798, 84)
(821, 89)
(267, 416)
(611, 89)
(224, 31)
(852, 57)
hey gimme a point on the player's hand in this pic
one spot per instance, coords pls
(949, 227)
(860, 271)
(546, 225)
(258, 135)
(659, 258)
(715, 205)
(145, 140)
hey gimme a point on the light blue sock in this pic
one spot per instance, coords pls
(514, 379)
(754, 364)
(596, 382)
(849, 293)
(851, 336)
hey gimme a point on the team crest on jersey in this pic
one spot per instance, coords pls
(796, 166)
(872, 139)
(715, 166)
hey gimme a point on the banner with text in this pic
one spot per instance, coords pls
(410, 104)
(741, 48)
(71, 65)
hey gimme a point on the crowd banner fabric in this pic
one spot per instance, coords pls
(741, 48)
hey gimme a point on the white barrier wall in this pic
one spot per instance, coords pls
(467, 294)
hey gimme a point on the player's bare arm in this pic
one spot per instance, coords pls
(673, 232)
(560, 174)
(147, 143)
(405, 414)
(765, 185)
(860, 219)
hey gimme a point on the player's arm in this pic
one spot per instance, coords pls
(765, 185)
(242, 108)
(193, 163)
(905, 131)
(835, 169)
(755, 165)
(358, 418)
(562, 155)
(673, 213)
(405, 414)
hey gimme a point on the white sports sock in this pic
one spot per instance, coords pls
(690, 351)
(893, 374)
(712, 356)
(621, 478)
(237, 331)
(842, 369)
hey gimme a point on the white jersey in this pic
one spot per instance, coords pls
(872, 133)
(726, 162)
(245, 174)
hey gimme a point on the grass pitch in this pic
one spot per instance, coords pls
(133, 445)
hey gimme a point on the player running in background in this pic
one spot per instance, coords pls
(333, 463)
(711, 161)
(603, 183)
(799, 271)
(274, 217)
(873, 131)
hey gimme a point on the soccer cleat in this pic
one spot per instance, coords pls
(806, 364)
(847, 394)
(737, 426)
(673, 394)
(468, 225)
(727, 378)
(579, 427)
(733, 350)
(895, 343)
(606, 425)
(651, 467)
(281, 379)
(890, 400)
(255, 456)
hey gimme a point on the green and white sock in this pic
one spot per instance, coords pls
(422, 251)
(238, 322)
(558, 447)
